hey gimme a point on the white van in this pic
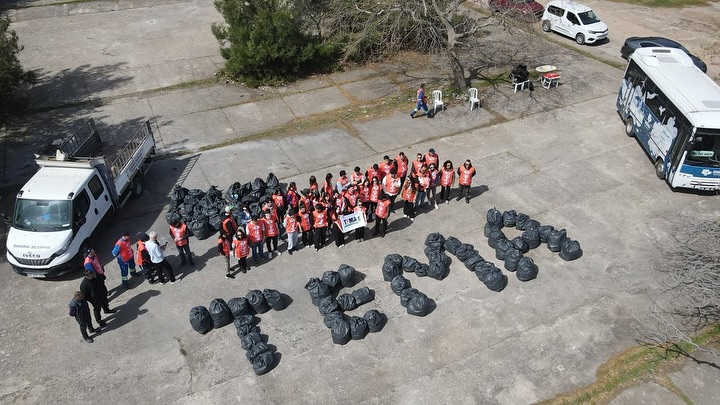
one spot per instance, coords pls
(574, 20)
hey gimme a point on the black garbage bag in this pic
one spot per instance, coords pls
(494, 218)
(358, 327)
(255, 210)
(243, 330)
(390, 270)
(234, 193)
(331, 278)
(258, 348)
(406, 294)
(489, 229)
(186, 211)
(472, 261)
(340, 331)
(438, 270)
(374, 319)
(570, 250)
(172, 216)
(435, 241)
(332, 317)
(494, 237)
(398, 284)
(257, 301)
(437, 256)
(259, 186)
(263, 362)
(220, 313)
(520, 244)
(495, 280)
(178, 194)
(422, 270)
(526, 269)
(451, 244)
(509, 218)
(327, 305)
(196, 194)
(521, 221)
(347, 302)
(317, 290)
(213, 194)
(502, 246)
(200, 320)
(464, 251)
(543, 231)
(243, 320)
(199, 227)
(363, 295)
(532, 238)
(274, 299)
(215, 222)
(409, 264)
(250, 198)
(419, 304)
(394, 258)
(347, 275)
(532, 225)
(271, 182)
(484, 268)
(512, 257)
(555, 239)
(240, 306)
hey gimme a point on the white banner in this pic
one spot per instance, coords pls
(352, 221)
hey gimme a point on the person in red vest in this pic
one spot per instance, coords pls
(228, 226)
(382, 211)
(343, 182)
(391, 188)
(142, 258)
(375, 192)
(408, 195)
(180, 233)
(401, 162)
(290, 222)
(320, 225)
(431, 158)
(373, 172)
(432, 188)
(223, 246)
(272, 232)
(416, 164)
(256, 233)
(124, 254)
(465, 174)
(447, 180)
(385, 167)
(241, 249)
(421, 101)
(423, 180)
(306, 227)
(328, 185)
(292, 197)
(279, 201)
(357, 177)
(313, 184)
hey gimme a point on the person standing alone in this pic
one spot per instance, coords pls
(421, 101)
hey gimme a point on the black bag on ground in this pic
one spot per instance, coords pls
(436, 241)
(363, 295)
(494, 237)
(472, 261)
(520, 244)
(332, 317)
(214, 222)
(489, 229)
(243, 330)
(259, 186)
(257, 301)
(437, 256)
(234, 193)
(186, 211)
(512, 257)
(483, 269)
(526, 269)
(196, 194)
(570, 250)
(258, 348)
(394, 258)
(521, 221)
(274, 299)
(243, 320)
(464, 251)
(409, 264)
(358, 327)
(398, 284)
(451, 244)
(495, 280)
(213, 194)
(240, 306)
(249, 199)
(494, 218)
(172, 216)
(390, 270)
(331, 278)
(532, 225)
(271, 182)
(509, 218)
(178, 194)
(340, 331)
(419, 304)
(327, 305)
(422, 270)
(255, 210)
(220, 313)
(555, 240)
(347, 275)
(406, 294)
(374, 320)
(438, 270)
(502, 246)
(532, 238)
(347, 302)
(543, 231)
(199, 227)
(317, 290)
(200, 320)
(263, 362)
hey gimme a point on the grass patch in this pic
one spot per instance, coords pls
(665, 3)
(634, 366)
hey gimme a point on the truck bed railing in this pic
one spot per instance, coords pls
(132, 148)
(84, 142)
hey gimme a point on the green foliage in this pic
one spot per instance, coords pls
(11, 72)
(263, 42)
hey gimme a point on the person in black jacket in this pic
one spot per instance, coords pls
(81, 311)
(93, 287)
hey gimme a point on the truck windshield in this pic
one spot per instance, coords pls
(42, 215)
(705, 148)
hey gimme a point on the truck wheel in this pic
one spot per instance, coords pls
(546, 26)
(629, 124)
(660, 169)
(137, 187)
(580, 39)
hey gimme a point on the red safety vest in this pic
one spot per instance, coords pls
(408, 194)
(291, 223)
(225, 245)
(292, 198)
(364, 194)
(382, 208)
(279, 200)
(271, 226)
(351, 199)
(327, 188)
(384, 169)
(374, 192)
(241, 247)
(255, 232)
(402, 165)
(229, 226)
(357, 178)
(320, 219)
(179, 234)
(138, 254)
(372, 173)
(465, 175)
(126, 252)
(391, 186)
(95, 263)
(431, 158)
(446, 177)
(424, 180)
(305, 221)
(416, 165)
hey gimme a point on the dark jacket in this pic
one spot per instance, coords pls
(95, 290)
(80, 310)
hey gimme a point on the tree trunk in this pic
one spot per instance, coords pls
(457, 69)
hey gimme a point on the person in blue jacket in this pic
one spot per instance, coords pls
(421, 101)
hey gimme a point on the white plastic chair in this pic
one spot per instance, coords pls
(473, 98)
(437, 100)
